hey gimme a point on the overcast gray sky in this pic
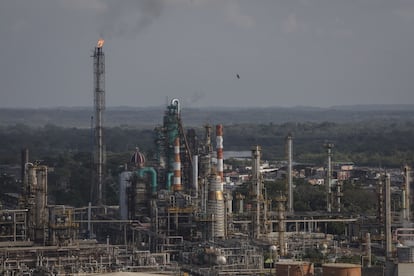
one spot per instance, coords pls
(287, 53)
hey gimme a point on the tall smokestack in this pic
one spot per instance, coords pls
(99, 106)
(329, 200)
(290, 182)
(219, 142)
(177, 166)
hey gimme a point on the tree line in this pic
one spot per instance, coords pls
(387, 143)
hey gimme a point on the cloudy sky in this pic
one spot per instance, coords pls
(287, 53)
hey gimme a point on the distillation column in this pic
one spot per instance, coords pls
(256, 190)
(216, 206)
(36, 200)
(281, 201)
(99, 105)
(406, 194)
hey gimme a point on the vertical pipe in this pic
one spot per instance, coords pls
(338, 194)
(403, 204)
(368, 243)
(89, 219)
(195, 174)
(407, 172)
(24, 161)
(219, 142)
(208, 151)
(388, 216)
(177, 166)
(153, 173)
(290, 182)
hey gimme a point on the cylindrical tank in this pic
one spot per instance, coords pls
(124, 182)
(294, 269)
(340, 269)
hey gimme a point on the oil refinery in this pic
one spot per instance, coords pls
(179, 214)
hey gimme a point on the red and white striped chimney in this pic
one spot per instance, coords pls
(219, 145)
(177, 166)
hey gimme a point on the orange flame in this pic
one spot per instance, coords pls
(100, 43)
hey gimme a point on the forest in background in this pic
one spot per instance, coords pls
(147, 117)
(385, 142)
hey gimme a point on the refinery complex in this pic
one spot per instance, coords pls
(180, 213)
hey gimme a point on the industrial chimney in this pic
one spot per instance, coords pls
(290, 177)
(99, 106)
(328, 185)
(177, 166)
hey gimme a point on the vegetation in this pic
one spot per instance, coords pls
(68, 150)
(356, 199)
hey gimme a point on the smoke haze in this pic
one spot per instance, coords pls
(128, 17)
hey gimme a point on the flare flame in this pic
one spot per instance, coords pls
(100, 43)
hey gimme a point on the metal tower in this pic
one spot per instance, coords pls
(99, 106)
